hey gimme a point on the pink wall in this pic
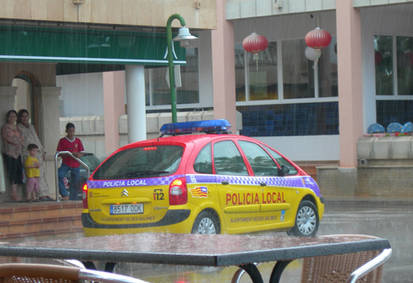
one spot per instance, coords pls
(349, 81)
(114, 107)
(223, 71)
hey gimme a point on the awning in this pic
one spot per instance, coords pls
(74, 45)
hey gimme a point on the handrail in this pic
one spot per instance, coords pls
(83, 164)
(370, 265)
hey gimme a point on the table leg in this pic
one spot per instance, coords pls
(253, 272)
(278, 270)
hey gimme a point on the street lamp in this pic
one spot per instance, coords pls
(183, 36)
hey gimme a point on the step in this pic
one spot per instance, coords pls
(21, 220)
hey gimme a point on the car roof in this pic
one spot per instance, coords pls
(186, 139)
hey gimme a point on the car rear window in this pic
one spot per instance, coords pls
(141, 162)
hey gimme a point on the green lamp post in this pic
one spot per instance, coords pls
(183, 36)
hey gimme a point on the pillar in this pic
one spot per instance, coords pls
(114, 107)
(223, 67)
(50, 131)
(350, 95)
(135, 93)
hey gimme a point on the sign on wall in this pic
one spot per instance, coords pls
(76, 45)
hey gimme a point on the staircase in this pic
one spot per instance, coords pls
(24, 219)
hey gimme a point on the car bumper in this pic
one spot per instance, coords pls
(174, 221)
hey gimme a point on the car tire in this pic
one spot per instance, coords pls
(206, 223)
(306, 220)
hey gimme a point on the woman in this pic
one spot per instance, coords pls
(30, 137)
(12, 150)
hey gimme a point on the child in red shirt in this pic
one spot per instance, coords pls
(75, 146)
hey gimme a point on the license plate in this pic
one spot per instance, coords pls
(118, 209)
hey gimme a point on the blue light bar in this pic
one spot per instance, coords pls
(220, 126)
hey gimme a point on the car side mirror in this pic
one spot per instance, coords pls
(283, 170)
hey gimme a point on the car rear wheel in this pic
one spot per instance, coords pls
(306, 220)
(206, 223)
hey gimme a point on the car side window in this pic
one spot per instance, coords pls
(228, 160)
(282, 162)
(203, 162)
(261, 163)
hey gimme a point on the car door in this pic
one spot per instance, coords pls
(275, 193)
(238, 194)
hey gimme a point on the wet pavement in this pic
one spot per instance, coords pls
(392, 220)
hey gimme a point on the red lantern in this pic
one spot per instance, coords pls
(255, 43)
(317, 38)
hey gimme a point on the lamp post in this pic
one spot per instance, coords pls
(183, 35)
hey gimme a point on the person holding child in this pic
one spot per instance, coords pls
(30, 137)
(12, 150)
(32, 169)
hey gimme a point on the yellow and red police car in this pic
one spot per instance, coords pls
(210, 182)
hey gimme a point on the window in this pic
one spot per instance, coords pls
(266, 112)
(383, 59)
(260, 162)
(301, 119)
(396, 106)
(157, 87)
(404, 65)
(228, 160)
(298, 72)
(203, 162)
(141, 162)
(261, 70)
(239, 73)
(283, 162)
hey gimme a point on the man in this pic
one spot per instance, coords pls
(75, 146)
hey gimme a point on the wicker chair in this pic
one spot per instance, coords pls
(364, 266)
(355, 267)
(49, 273)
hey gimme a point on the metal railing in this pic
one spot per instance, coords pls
(83, 164)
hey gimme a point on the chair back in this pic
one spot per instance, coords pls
(50, 273)
(37, 273)
(337, 268)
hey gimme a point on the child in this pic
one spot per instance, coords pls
(31, 167)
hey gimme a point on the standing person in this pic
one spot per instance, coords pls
(12, 142)
(30, 137)
(32, 170)
(75, 146)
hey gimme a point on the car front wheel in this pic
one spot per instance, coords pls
(306, 220)
(206, 223)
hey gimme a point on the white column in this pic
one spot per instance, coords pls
(50, 131)
(135, 93)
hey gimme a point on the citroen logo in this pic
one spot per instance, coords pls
(124, 193)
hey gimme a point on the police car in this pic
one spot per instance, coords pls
(197, 178)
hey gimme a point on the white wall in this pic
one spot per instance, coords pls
(81, 95)
(306, 148)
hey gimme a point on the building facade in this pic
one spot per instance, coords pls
(312, 113)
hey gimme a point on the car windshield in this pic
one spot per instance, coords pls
(141, 162)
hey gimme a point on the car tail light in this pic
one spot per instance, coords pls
(178, 193)
(84, 196)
